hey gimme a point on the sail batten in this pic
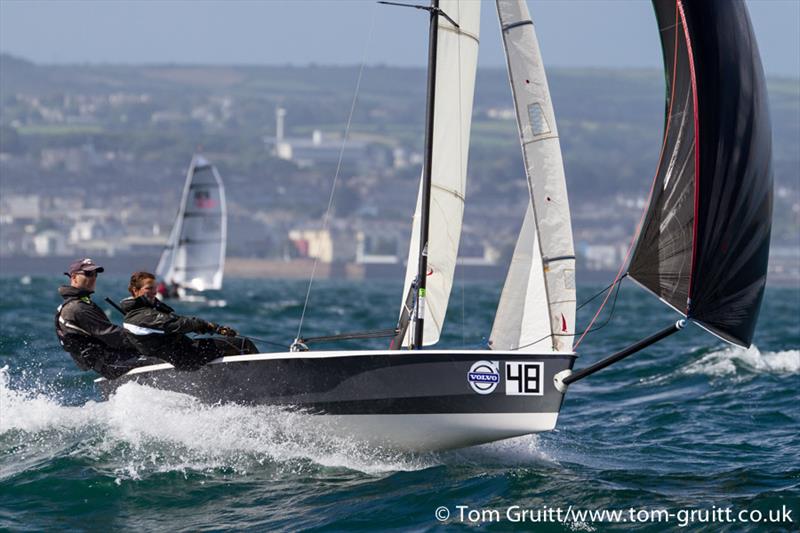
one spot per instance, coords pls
(704, 244)
(194, 256)
(537, 305)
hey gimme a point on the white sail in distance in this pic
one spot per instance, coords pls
(195, 253)
(548, 255)
(456, 64)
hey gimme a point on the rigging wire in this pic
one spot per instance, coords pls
(326, 218)
(617, 279)
(618, 284)
(611, 313)
(601, 292)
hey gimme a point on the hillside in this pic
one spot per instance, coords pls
(609, 121)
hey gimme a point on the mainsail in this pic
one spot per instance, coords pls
(704, 243)
(456, 62)
(537, 306)
(195, 253)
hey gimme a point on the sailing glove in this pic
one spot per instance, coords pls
(211, 327)
(226, 331)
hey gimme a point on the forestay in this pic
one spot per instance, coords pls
(456, 62)
(195, 254)
(537, 306)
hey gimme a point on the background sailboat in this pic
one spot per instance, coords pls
(194, 257)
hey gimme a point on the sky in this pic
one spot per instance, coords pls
(572, 33)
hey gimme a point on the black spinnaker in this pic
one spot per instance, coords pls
(704, 243)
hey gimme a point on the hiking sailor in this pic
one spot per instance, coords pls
(84, 330)
(156, 331)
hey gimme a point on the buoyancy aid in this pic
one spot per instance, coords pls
(84, 349)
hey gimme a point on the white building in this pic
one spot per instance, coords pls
(49, 242)
(333, 245)
(315, 150)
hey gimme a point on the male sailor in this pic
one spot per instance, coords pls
(156, 330)
(84, 330)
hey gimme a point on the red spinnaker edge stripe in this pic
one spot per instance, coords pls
(696, 151)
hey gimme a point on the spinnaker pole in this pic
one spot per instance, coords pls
(622, 354)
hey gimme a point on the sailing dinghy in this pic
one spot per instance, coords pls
(194, 256)
(702, 248)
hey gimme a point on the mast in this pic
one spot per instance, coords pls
(422, 263)
(433, 247)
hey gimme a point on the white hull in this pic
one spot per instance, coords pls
(432, 432)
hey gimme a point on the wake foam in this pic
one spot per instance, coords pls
(141, 431)
(238, 436)
(33, 411)
(735, 360)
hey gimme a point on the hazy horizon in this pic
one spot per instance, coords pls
(301, 33)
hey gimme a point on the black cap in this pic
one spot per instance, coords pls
(83, 265)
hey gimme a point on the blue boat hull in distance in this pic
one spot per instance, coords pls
(411, 401)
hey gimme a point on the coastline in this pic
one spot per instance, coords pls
(299, 269)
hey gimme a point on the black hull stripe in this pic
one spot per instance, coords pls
(384, 383)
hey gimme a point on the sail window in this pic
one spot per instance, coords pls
(539, 125)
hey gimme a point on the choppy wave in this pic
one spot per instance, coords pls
(680, 424)
(142, 430)
(735, 361)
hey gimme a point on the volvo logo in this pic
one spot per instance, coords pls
(484, 376)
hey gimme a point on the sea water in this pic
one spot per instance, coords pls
(690, 433)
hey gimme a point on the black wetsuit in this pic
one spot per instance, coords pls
(156, 331)
(94, 343)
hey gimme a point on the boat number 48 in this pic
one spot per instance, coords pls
(523, 378)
